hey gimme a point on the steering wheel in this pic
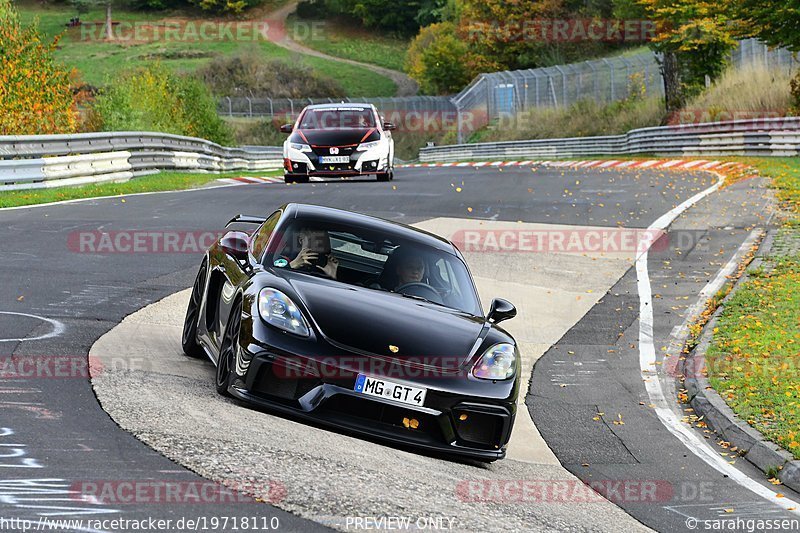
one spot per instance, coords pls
(423, 290)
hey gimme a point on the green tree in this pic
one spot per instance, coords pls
(695, 38)
(775, 23)
(35, 94)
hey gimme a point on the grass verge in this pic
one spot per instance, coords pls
(164, 181)
(752, 361)
(753, 358)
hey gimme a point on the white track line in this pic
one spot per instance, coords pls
(647, 360)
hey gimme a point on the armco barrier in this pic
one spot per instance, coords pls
(39, 161)
(758, 137)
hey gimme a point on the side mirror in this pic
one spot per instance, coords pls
(286, 128)
(501, 310)
(235, 244)
(389, 126)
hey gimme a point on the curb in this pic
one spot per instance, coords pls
(709, 405)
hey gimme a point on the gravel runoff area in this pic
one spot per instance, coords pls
(167, 400)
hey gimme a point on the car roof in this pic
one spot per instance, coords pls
(340, 216)
(359, 105)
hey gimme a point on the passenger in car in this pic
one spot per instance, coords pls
(315, 253)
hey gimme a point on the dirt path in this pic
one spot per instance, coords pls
(405, 85)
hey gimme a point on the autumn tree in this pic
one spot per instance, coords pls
(501, 32)
(438, 60)
(35, 94)
(695, 40)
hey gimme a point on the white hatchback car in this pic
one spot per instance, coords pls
(336, 140)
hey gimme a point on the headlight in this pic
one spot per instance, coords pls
(367, 146)
(498, 362)
(278, 310)
(300, 147)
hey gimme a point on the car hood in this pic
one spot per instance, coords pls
(370, 322)
(335, 137)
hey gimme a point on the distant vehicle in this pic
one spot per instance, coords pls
(336, 140)
(359, 323)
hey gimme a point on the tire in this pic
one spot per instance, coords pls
(384, 176)
(189, 337)
(228, 350)
(294, 179)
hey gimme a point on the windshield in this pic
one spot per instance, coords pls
(362, 257)
(342, 117)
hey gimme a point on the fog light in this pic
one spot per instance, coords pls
(463, 417)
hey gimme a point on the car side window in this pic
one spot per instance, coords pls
(263, 234)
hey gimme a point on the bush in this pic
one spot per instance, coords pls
(794, 86)
(248, 74)
(35, 94)
(223, 6)
(257, 132)
(153, 99)
(437, 60)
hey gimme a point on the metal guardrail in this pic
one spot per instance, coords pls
(40, 161)
(760, 137)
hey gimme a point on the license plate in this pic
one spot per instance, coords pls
(382, 388)
(334, 159)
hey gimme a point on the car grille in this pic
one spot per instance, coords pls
(479, 428)
(325, 150)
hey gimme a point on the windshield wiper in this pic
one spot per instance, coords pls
(420, 298)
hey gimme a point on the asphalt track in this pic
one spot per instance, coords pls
(60, 436)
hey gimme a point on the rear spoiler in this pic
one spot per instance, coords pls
(245, 219)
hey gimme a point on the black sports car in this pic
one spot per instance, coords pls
(360, 323)
(334, 140)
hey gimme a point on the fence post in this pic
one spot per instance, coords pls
(611, 77)
(249, 107)
(230, 107)
(563, 85)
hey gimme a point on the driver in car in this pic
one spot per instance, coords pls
(315, 252)
(410, 269)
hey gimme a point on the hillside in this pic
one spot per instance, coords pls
(96, 59)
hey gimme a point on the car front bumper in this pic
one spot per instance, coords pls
(373, 161)
(449, 422)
